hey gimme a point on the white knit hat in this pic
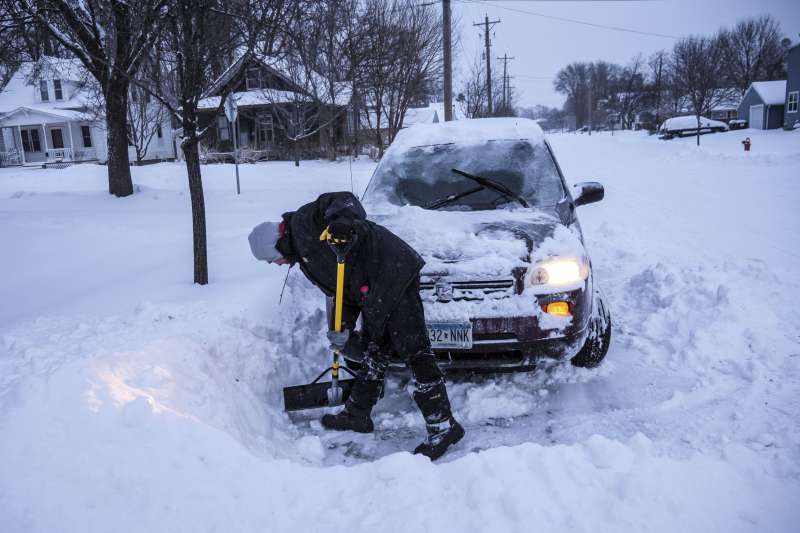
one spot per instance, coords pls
(263, 239)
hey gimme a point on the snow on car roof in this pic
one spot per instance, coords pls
(771, 92)
(469, 131)
(690, 122)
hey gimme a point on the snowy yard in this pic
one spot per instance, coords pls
(131, 400)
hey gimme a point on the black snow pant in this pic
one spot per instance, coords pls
(405, 335)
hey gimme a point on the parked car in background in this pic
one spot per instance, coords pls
(737, 124)
(685, 126)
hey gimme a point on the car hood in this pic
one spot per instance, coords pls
(479, 244)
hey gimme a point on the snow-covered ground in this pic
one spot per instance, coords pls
(131, 400)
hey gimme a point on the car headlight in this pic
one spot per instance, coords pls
(559, 273)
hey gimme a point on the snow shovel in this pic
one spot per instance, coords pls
(335, 392)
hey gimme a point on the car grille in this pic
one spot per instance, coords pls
(445, 291)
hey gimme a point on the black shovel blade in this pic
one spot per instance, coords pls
(314, 395)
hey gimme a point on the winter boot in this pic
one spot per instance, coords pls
(443, 430)
(356, 413)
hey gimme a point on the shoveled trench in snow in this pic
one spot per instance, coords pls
(131, 400)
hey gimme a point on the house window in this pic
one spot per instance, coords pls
(253, 78)
(791, 104)
(30, 140)
(158, 131)
(223, 134)
(57, 136)
(86, 133)
(43, 90)
(265, 128)
(59, 94)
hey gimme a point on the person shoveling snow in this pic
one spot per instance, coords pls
(382, 286)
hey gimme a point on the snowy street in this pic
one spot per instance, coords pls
(133, 400)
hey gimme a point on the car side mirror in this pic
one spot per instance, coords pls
(588, 192)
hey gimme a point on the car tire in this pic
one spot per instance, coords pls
(598, 340)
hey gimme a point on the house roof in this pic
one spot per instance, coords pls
(36, 114)
(417, 115)
(730, 102)
(310, 83)
(19, 92)
(431, 114)
(770, 92)
(255, 97)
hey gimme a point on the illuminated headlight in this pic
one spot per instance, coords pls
(559, 273)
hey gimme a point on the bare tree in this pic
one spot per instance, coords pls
(111, 38)
(404, 44)
(573, 82)
(145, 119)
(752, 51)
(630, 87)
(193, 42)
(698, 69)
(22, 38)
(472, 94)
(658, 65)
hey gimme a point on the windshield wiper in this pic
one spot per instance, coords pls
(491, 184)
(436, 204)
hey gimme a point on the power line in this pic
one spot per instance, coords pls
(573, 21)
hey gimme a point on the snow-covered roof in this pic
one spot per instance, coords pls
(771, 92)
(729, 102)
(420, 115)
(255, 97)
(281, 67)
(431, 114)
(469, 131)
(20, 91)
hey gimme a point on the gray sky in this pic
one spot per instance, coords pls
(542, 46)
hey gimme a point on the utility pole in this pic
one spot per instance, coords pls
(448, 61)
(589, 107)
(488, 25)
(505, 59)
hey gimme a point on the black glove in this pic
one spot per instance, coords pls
(341, 232)
(338, 339)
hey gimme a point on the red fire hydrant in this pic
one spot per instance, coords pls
(746, 144)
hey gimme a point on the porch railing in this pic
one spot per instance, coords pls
(13, 157)
(68, 155)
(10, 158)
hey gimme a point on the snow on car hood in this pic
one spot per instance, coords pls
(478, 244)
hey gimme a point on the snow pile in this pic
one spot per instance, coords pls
(131, 400)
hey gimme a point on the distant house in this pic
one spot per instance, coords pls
(792, 115)
(273, 108)
(763, 104)
(728, 107)
(431, 113)
(46, 117)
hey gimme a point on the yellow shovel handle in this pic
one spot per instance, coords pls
(337, 323)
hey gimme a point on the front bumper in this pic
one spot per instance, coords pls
(517, 349)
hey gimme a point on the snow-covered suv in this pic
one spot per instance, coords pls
(507, 278)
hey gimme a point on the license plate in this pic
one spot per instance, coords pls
(450, 335)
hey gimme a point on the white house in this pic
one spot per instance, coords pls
(47, 117)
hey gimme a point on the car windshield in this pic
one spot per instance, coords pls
(423, 176)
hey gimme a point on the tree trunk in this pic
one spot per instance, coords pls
(192, 155)
(698, 130)
(296, 150)
(119, 170)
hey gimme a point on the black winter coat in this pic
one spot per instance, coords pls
(378, 269)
